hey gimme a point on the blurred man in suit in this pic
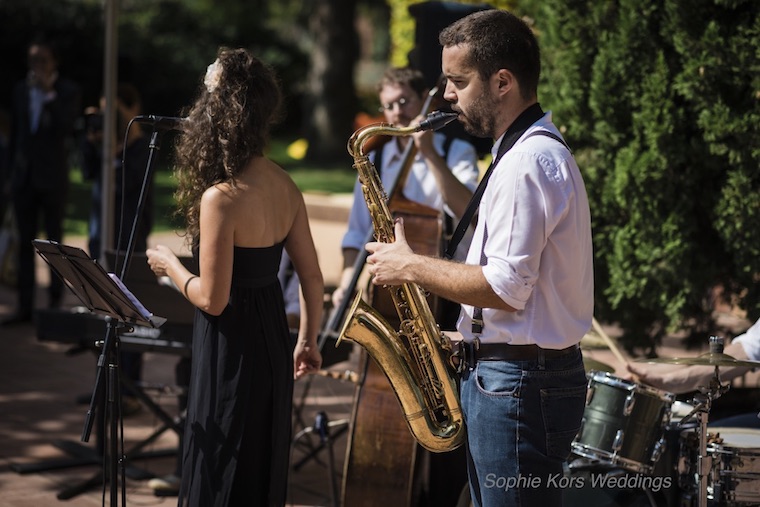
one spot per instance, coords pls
(45, 106)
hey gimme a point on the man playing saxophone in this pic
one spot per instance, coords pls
(443, 173)
(526, 287)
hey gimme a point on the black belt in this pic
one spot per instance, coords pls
(470, 353)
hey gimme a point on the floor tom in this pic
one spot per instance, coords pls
(623, 423)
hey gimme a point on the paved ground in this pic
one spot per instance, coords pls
(40, 381)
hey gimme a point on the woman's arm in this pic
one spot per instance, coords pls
(300, 248)
(210, 289)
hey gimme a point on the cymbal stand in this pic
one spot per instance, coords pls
(703, 403)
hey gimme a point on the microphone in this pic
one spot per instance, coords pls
(436, 120)
(160, 122)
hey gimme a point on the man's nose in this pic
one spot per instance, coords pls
(449, 94)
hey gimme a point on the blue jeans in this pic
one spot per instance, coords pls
(521, 418)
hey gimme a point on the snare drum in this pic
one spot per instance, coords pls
(734, 477)
(623, 423)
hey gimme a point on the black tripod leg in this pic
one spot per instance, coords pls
(314, 454)
(82, 487)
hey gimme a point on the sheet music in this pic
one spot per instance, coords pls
(143, 311)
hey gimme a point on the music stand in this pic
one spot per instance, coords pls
(101, 293)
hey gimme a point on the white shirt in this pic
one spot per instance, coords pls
(539, 256)
(750, 341)
(37, 101)
(421, 185)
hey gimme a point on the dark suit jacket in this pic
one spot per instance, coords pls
(40, 160)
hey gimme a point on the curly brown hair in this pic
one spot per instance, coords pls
(225, 128)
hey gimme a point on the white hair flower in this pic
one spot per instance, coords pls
(213, 74)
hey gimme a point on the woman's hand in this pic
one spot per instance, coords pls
(159, 259)
(306, 359)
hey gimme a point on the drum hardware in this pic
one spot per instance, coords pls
(703, 402)
(735, 473)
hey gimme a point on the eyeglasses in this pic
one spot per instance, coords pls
(403, 101)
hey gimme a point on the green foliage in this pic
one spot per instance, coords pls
(659, 98)
(402, 26)
(164, 45)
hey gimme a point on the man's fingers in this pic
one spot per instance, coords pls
(399, 229)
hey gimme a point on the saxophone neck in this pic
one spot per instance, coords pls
(361, 136)
(433, 121)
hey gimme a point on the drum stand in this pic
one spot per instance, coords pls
(703, 404)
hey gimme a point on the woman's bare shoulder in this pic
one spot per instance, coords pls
(282, 180)
(219, 195)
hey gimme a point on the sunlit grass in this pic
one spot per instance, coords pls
(289, 154)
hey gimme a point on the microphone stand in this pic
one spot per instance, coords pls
(153, 147)
(110, 356)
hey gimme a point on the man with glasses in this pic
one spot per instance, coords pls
(443, 172)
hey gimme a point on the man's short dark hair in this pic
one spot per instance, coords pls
(496, 40)
(404, 76)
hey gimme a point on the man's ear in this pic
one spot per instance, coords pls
(504, 81)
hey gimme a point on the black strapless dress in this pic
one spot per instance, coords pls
(238, 428)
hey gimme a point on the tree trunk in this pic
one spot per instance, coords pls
(331, 94)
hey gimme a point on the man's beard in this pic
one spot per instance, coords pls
(480, 120)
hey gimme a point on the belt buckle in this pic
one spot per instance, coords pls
(471, 352)
(458, 353)
(466, 352)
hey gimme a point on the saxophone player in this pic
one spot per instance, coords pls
(442, 173)
(526, 287)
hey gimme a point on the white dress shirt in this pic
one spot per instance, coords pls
(538, 251)
(750, 341)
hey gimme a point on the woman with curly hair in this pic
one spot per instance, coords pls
(241, 210)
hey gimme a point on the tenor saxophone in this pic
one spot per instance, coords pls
(416, 358)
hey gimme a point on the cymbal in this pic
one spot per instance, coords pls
(592, 364)
(706, 359)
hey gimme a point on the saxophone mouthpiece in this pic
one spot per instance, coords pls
(436, 120)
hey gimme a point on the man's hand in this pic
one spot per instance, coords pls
(423, 139)
(389, 263)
